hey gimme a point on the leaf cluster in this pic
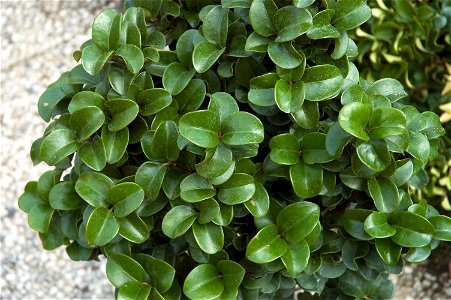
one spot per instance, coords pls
(229, 149)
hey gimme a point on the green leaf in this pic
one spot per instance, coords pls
(64, 197)
(296, 221)
(30, 197)
(216, 162)
(176, 77)
(284, 149)
(150, 177)
(386, 121)
(93, 187)
(205, 54)
(313, 147)
(350, 14)
(134, 290)
(122, 269)
(289, 96)
(184, 47)
(374, 154)
(201, 128)
(93, 59)
(403, 172)
(133, 57)
(308, 116)
(83, 99)
(39, 217)
(433, 128)
(307, 180)
(122, 111)
(388, 87)
(353, 118)
(384, 193)
(192, 96)
(258, 205)
(161, 274)
(153, 100)
(92, 153)
(291, 22)
(412, 230)
(126, 198)
(130, 34)
(164, 144)
(106, 30)
(242, 128)
(296, 257)
(388, 250)
(261, 16)
(262, 89)
(215, 25)
(419, 147)
(209, 237)
(257, 43)
(208, 210)
(223, 105)
(86, 121)
(322, 27)
(115, 143)
(58, 145)
(417, 255)
(285, 55)
(134, 229)
(376, 225)
(322, 82)
(266, 246)
(178, 220)
(337, 139)
(238, 189)
(102, 227)
(353, 223)
(195, 188)
(442, 226)
(232, 274)
(203, 282)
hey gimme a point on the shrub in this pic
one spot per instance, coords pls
(231, 150)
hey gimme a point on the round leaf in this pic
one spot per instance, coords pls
(115, 143)
(291, 22)
(122, 269)
(205, 55)
(412, 230)
(258, 205)
(376, 225)
(353, 118)
(209, 237)
(102, 227)
(203, 282)
(39, 217)
(297, 220)
(93, 187)
(238, 189)
(153, 100)
(384, 193)
(134, 229)
(296, 257)
(195, 188)
(58, 145)
(93, 59)
(134, 290)
(126, 198)
(261, 16)
(63, 197)
(150, 177)
(86, 121)
(201, 128)
(289, 96)
(178, 220)
(241, 128)
(176, 77)
(92, 153)
(285, 55)
(266, 246)
(133, 57)
(122, 111)
(307, 180)
(350, 14)
(216, 162)
(106, 30)
(322, 82)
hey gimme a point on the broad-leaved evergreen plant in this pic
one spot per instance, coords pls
(231, 150)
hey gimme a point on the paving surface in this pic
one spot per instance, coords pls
(37, 41)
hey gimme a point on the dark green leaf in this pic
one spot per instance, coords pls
(58, 145)
(126, 198)
(376, 225)
(412, 230)
(203, 282)
(178, 220)
(195, 188)
(353, 118)
(93, 59)
(106, 30)
(296, 257)
(209, 237)
(205, 55)
(241, 128)
(238, 189)
(353, 222)
(176, 77)
(350, 14)
(39, 217)
(313, 147)
(322, 28)
(164, 144)
(232, 272)
(261, 15)
(216, 162)
(133, 57)
(201, 128)
(134, 290)
(223, 105)
(289, 96)
(374, 154)
(153, 100)
(322, 82)
(92, 153)
(215, 25)
(388, 87)
(134, 229)
(122, 111)
(266, 246)
(258, 205)
(284, 149)
(122, 269)
(308, 116)
(384, 193)
(84, 99)
(102, 227)
(386, 121)
(192, 96)
(93, 187)
(285, 55)
(115, 144)
(442, 226)
(388, 250)
(63, 197)
(297, 220)
(150, 177)
(86, 121)
(307, 180)
(291, 22)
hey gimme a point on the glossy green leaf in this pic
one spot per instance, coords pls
(29, 198)
(92, 153)
(102, 227)
(297, 220)
(215, 25)
(150, 176)
(161, 274)
(261, 16)
(313, 147)
(86, 121)
(64, 197)
(115, 144)
(266, 246)
(122, 269)
(432, 128)
(192, 96)
(258, 205)
(337, 139)
(241, 128)
(126, 198)
(384, 193)
(134, 229)
(223, 104)
(442, 225)
(353, 223)
(307, 180)
(374, 154)
(291, 22)
(203, 282)
(232, 272)
(83, 99)
(350, 14)
(93, 187)
(322, 27)
(195, 188)
(176, 77)
(201, 128)
(262, 89)
(122, 111)
(417, 255)
(388, 250)
(322, 82)
(296, 257)
(386, 121)
(284, 149)
(289, 96)
(58, 145)
(388, 87)
(133, 57)
(403, 172)
(285, 55)
(216, 162)
(106, 30)
(376, 225)
(419, 146)
(151, 101)
(354, 118)
(238, 189)
(134, 290)
(178, 220)
(205, 55)
(209, 237)
(164, 144)
(412, 230)
(257, 43)
(39, 217)
(93, 59)
(308, 115)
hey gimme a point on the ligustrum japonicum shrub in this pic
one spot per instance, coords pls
(229, 149)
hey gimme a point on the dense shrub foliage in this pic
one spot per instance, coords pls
(411, 41)
(230, 149)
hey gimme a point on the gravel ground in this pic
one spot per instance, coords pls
(37, 41)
